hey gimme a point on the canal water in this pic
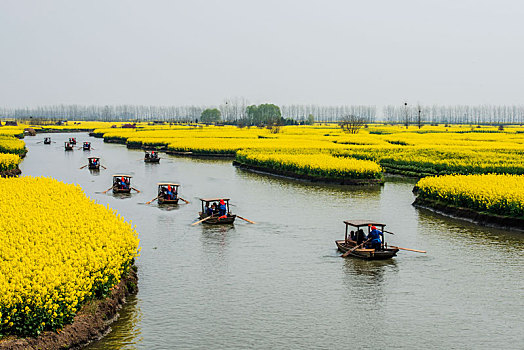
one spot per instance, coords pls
(281, 284)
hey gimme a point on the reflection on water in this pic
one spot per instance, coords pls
(168, 207)
(281, 283)
(126, 327)
(94, 172)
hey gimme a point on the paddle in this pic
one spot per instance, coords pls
(187, 202)
(135, 189)
(352, 250)
(103, 166)
(198, 222)
(252, 222)
(152, 200)
(391, 233)
(83, 167)
(411, 250)
(110, 188)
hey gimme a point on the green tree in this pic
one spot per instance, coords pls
(310, 119)
(264, 114)
(252, 114)
(270, 114)
(210, 115)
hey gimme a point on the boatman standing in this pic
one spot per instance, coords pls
(374, 238)
(222, 208)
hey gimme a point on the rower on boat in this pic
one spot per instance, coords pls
(352, 244)
(374, 239)
(216, 213)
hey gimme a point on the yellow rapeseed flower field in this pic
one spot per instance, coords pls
(58, 249)
(493, 193)
(431, 150)
(322, 165)
(10, 144)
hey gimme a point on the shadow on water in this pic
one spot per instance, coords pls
(216, 234)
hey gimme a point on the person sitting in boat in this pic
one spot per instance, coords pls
(374, 238)
(170, 194)
(153, 154)
(360, 236)
(147, 155)
(209, 210)
(214, 207)
(222, 210)
(352, 236)
(124, 185)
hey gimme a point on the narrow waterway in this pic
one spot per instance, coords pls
(281, 283)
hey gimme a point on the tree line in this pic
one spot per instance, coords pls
(240, 111)
(455, 114)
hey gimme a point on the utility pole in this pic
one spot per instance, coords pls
(406, 121)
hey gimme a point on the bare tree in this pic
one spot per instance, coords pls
(419, 116)
(351, 123)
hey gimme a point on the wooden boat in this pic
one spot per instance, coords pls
(47, 140)
(72, 140)
(216, 219)
(163, 189)
(68, 146)
(121, 183)
(94, 163)
(86, 146)
(350, 242)
(151, 157)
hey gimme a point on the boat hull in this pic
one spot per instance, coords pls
(216, 221)
(94, 167)
(121, 190)
(167, 201)
(151, 160)
(367, 254)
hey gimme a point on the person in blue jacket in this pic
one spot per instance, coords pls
(374, 238)
(222, 210)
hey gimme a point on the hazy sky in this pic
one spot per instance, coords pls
(286, 52)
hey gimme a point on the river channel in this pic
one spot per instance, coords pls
(281, 284)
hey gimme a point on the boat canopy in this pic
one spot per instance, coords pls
(167, 184)
(122, 176)
(214, 199)
(93, 157)
(360, 223)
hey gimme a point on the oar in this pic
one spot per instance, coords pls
(352, 250)
(152, 200)
(110, 188)
(198, 222)
(183, 200)
(135, 189)
(103, 166)
(391, 233)
(83, 167)
(411, 250)
(252, 222)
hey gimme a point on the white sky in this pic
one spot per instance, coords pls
(286, 52)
